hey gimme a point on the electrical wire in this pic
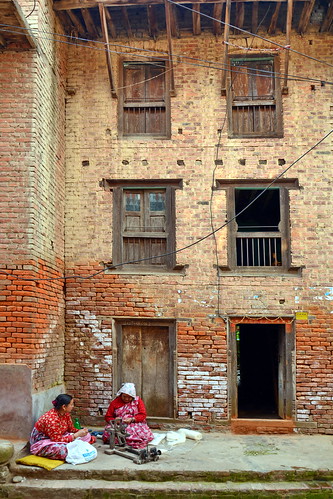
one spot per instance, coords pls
(233, 78)
(33, 9)
(203, 238)
(205, 63)
(250, 33)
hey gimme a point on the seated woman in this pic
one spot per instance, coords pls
(54, 430)
(129, 409)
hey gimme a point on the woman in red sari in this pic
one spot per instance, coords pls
(129, 409)
(54, 430)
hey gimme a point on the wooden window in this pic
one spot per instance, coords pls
(144, 99)
(254, 98)
(144, 226)
(258, 232)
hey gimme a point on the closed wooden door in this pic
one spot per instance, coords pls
(145, 357)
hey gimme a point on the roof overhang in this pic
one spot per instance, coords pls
(14, 29)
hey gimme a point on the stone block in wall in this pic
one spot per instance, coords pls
(16, 401)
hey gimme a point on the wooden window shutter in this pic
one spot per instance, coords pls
(254, 101)
(145, 102)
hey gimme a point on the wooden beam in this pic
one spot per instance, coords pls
(286, 55)
(21, 21)
(3, 42)
(225, 41)
(305, 16)
(217, 27)
(126, 22)
(152, 22)
(107, 47)
(174, 22)
(78, 4)
(167, 7)
(272, 27)
(77, 23)
(239, 16)
(255, 11)
(90, 25)
(328, 19)
(110, 23)
(196, 19)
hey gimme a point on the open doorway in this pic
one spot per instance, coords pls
(261, 382)
(257, 370)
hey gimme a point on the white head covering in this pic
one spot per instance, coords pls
(128, 388)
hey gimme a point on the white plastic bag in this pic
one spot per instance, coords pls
(80, 452)
(158, 437)
(174, 438)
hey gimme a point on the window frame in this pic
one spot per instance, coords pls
(166, 102)
(284, 186)
(119, 187)
(278, 128)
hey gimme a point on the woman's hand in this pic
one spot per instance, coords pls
(128, 420)
(81, 433)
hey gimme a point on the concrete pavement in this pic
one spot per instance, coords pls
(219, 465)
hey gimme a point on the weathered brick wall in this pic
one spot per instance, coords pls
(32, 102)
(94, 151)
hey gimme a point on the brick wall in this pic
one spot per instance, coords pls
(32, 104)
(94, 151)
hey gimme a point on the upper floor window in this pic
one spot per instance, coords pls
(144, 224)
(258, 234)
(254, 98)
(144, 104)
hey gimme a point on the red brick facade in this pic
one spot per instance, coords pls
(72, 332)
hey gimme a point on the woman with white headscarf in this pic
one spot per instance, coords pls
(130, 410)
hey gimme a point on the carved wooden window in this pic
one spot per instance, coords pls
(144, 226)
(144, 99)
(254, 98)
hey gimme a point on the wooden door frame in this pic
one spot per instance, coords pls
(289, 354)
(116, 370)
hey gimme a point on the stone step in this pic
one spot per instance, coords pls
(148, 473)
(103, 489)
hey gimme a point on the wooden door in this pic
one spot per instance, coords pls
(145, 357)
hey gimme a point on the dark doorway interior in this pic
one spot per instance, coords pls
(257, 370)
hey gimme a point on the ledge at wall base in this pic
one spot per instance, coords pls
(262, 426)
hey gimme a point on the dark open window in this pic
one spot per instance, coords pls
(260, 229)
(258, 232)
(144, 99)
(254, 98)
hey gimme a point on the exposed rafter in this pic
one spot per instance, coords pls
(126, 22)
(90, 25)
(328, 19)
(111, 27)
(196, 19)
(288, 35)
(79, 4)
(255, 13)
(225, 41)
(239, 15)
(167, 6)
(217, 14)
(272, 27)
(78, 26)
(305, 17)
(107, 48)
(152, 21)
